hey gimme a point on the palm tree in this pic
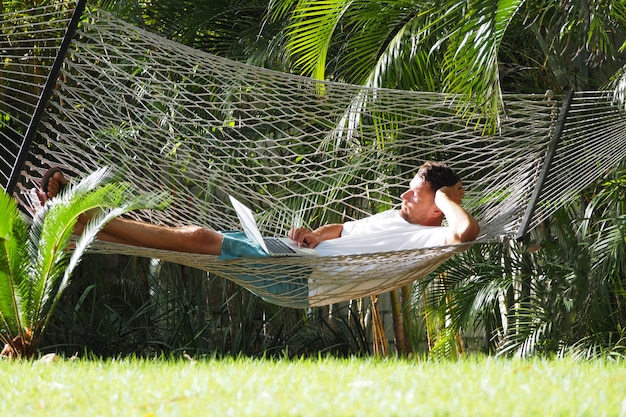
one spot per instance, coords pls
(475, 49)
(37, 260)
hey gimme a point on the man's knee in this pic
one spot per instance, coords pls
(201, 240)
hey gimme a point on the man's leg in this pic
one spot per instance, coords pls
(191, 239)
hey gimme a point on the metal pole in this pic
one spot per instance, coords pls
(45, 95)
(547, 164)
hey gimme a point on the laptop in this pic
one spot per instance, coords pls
(273, 246)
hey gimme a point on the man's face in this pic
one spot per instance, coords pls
(418, 204)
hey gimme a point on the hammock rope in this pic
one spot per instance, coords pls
(300, 152)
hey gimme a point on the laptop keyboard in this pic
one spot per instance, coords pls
(275, 245)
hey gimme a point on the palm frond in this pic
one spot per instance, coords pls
(50, 235)
(14, 264)
(279, 9)
(118, 203)
(311, 31)
(472, 57)
(400, 53)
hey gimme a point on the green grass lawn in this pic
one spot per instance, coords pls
(323, 387)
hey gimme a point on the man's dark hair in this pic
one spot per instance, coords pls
(437, 174)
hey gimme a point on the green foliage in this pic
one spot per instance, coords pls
(473, 50)
(230, 28)
(119, 306)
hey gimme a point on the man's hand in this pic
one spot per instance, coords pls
(311, 238)
(304, 237)
(454, 192)
(463, 227)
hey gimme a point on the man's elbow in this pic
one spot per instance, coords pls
(471, 233)
(467, 234)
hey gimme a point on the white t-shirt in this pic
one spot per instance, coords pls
(382, 232)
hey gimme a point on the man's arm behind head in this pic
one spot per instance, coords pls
(463, 226)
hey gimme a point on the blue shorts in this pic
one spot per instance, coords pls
(275, 287)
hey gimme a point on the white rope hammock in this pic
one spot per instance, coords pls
(300, 152)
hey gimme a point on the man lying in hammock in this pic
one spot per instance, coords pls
(434, 193)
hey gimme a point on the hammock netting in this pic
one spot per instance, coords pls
(298, 151)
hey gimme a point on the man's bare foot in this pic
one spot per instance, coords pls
(50, 188)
